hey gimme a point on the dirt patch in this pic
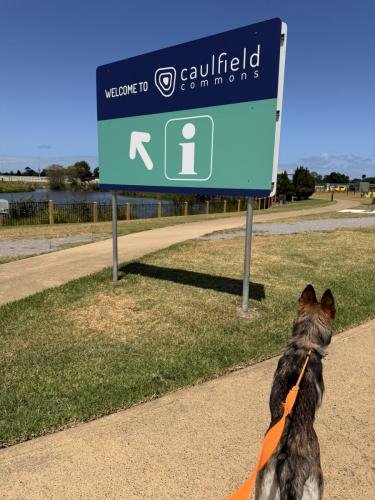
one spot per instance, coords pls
(111, 314)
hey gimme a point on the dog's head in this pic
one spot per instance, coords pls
(313, 323)
(309, 306)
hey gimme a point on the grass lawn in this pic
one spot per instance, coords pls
(10, 258)
(298, 205)
(325, 195)
(88, 348)
(104, 229)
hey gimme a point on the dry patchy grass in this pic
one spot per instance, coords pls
(111, 312)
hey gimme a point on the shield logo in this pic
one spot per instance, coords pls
(165, 80)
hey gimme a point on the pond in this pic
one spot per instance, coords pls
(68, 206)
(74, 197)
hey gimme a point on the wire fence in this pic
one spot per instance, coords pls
(48, 212)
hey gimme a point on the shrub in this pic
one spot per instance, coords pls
(285, 186)
(304, 183)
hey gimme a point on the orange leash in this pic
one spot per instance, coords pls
(270, 441)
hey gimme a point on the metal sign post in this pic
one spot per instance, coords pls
(246, 271)
(114, 238)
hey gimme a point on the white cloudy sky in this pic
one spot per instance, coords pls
(352, 165)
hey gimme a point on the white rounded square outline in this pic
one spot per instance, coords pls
(165, 147)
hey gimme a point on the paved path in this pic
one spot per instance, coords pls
(25, 277)
(200, 442)
(271, 228)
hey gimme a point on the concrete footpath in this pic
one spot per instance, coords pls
(201, 442)
(21, 278)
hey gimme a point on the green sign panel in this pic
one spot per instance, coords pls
(166, 124)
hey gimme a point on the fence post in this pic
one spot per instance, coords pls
(185, 207)
(51, 211)
(225, 206)
(127, 211)
(159, 209)
(238, 205)
(207, 207)
(95, 211)
(1, 219)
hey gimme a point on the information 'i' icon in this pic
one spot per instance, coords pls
(188, 150)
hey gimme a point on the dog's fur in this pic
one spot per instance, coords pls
(294, 471)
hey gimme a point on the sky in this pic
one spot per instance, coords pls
(49, 51)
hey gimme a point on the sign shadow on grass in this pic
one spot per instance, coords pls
(192, 278)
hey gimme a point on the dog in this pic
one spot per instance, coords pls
(294, 471)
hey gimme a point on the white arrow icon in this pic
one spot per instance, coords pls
(136, 144)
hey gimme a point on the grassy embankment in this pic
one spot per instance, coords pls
(88, 348)
(16, 187)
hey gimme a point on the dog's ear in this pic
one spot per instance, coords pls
(328, 303)
(308, 296)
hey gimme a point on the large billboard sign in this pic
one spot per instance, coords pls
(200, 117)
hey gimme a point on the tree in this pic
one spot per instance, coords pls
(285, 186)
(30, 172)
(81, 170)
(78, 173)
(71, 174)
(318, 178)
(96, 173)
(56, 176)
(304, 183)
(336, 178)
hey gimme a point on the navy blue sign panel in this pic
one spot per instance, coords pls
(236, 66)
(199, 117)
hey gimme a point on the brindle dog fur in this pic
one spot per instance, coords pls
(294, 471)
